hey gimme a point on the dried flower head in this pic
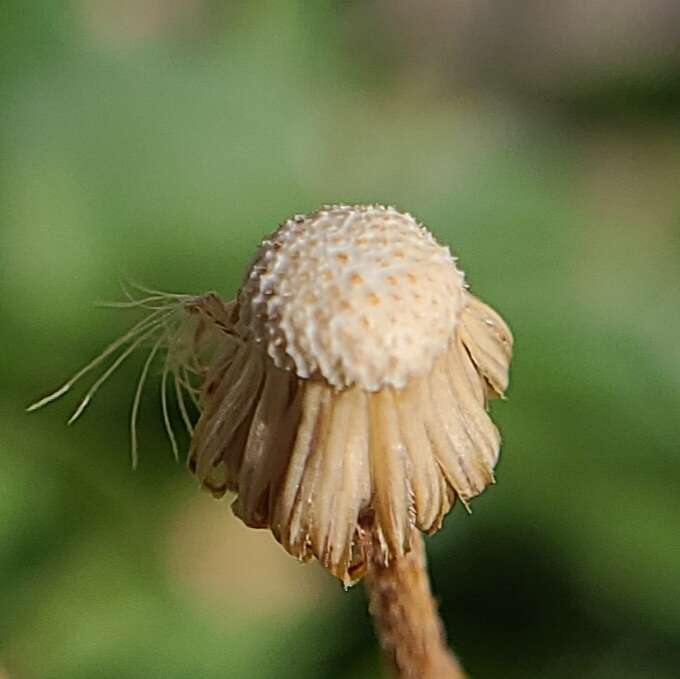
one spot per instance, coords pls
(344, 391)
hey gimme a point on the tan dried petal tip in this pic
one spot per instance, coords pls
(354, 397)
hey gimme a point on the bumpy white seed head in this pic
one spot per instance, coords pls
(355, 294)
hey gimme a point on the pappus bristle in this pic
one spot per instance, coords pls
(178, 325)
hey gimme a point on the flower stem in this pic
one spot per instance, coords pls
(405, 615)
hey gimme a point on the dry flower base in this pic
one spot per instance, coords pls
(319, 466)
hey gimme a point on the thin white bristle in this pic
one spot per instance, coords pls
(49, 398)
(188, 387)
(139, 303)
(138, 397)
(149, 291)
(182, 407)
(164, 407)
(151, 320)
(78, 411)
(108, 372)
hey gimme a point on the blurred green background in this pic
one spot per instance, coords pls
(161, 139)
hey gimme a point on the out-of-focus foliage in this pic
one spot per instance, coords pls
(161, 139)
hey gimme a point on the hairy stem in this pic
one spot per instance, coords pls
(405, 616)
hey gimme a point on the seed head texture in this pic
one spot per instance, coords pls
(353, 294)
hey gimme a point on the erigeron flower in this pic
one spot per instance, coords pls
(342, 396)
